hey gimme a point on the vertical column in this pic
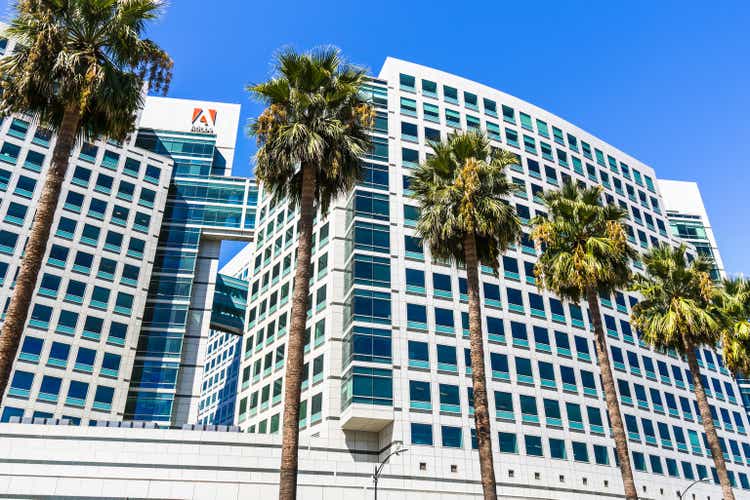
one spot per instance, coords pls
(197, 333)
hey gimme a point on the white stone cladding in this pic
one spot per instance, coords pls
(68, 462)
(117, 183)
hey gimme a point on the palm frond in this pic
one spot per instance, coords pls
(315, 116)
(463, 189)
(676, 310)
(90, 55)
(583, 242)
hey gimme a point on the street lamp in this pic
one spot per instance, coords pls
(701, 480)
(379, 468)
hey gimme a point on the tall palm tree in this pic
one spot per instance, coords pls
(676, 312)
(310, 138)
(79, 67)
(465, 216)
(585, 253)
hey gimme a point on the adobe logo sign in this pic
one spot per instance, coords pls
(204, 121)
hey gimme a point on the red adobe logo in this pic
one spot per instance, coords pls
(204, 118)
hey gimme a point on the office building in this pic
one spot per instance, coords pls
(387, 347)
(206, 206)
(120, 321)
(688, 220)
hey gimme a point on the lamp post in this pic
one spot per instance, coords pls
(379, 468)
(701, 480)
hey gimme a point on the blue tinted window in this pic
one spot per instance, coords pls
(421, 434)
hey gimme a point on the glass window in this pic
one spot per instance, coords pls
(557, 448)
(639, 461)
(421, 434)
(450, 94)
(59, 352)
(519, 333)
(507, 442)
(499, 364)
(77, 391)
(444, 317)
(429, 88)
(580, 452)
(31, 348)
(416, 313)
(446, 355)
(431, 112)
(50, 387)
(406, 82)
(419, 391)
(490, 107)
(452, 436)
(441, 283)
(515, 298)
(415, 278)
(528, 406)
(418, 351)
(533, 446)
(111, 364)
(449, 398)
(523, 367)
(601, 455)
(103, 396)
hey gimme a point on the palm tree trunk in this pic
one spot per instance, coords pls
(708, 421)
(613, 407)
(478, 379)
(295, 348)
(18, 310)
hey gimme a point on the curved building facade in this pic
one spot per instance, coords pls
(387, 352)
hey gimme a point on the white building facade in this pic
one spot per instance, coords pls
(689, 220)
(387, 351)
(78, 349)
(119, 326)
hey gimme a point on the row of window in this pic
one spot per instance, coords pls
(471, 102)
(560, 449)
(59, 355)
(307, 417)
(89, 152)
(450, 401)
(75, 291)
(270, 394)
(410, 158)
(409, 133)
(68, 322)
(50, 389)
(550, 376)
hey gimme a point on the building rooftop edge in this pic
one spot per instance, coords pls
(389, 60)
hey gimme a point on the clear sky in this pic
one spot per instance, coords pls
(666, 81)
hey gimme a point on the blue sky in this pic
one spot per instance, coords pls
(666, 81)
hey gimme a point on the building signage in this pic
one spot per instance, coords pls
(204, 121)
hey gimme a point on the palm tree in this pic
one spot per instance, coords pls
(734, 306)
(310, 138)
(465, 216)
(676, 312)
(585, 253)
(79, 67)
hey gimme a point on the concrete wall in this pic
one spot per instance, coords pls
(89, 462)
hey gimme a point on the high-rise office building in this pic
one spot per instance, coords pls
(206, 206)
(386, 355)
(688, 220)
(121, 316)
